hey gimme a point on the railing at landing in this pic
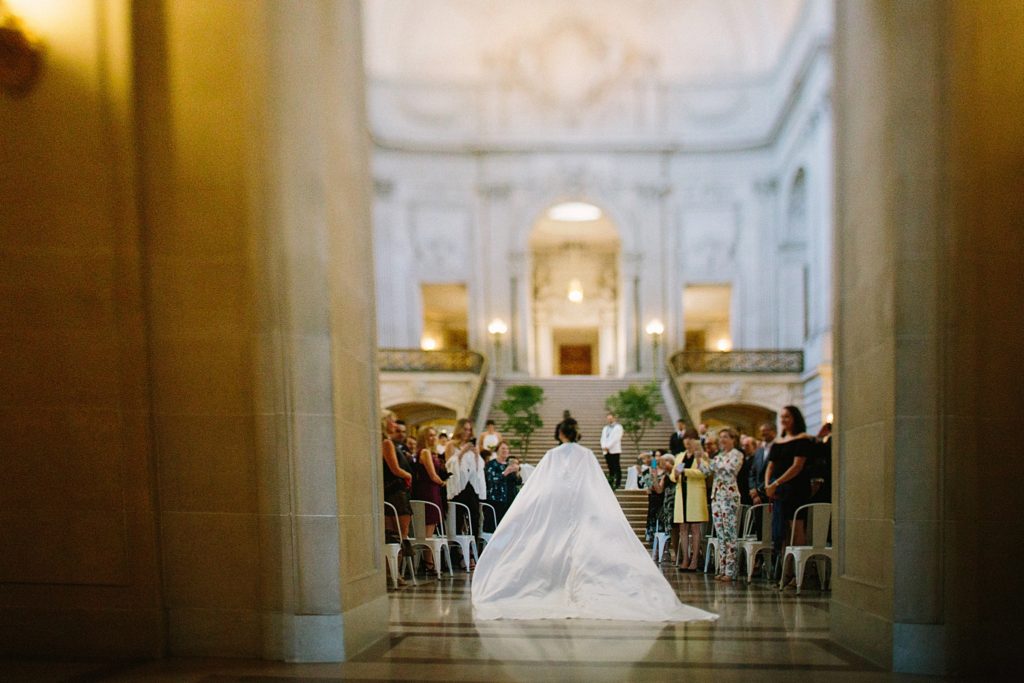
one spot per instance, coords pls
(416, 360)
(742, 361)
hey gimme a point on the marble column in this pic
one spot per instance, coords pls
(519, 318)
(763, 332)
(632, 337)
(256, 196)
(929, 332)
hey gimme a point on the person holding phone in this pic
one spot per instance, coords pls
(467, 483)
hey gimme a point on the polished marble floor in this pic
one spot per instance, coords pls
(762, 635)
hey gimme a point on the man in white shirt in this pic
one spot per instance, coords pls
(611, 445)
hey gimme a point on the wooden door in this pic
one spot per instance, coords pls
(575, 359)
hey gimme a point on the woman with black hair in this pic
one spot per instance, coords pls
(566, 550)
(787, 477)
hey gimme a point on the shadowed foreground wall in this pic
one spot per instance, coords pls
(929, 331)
(187, 325)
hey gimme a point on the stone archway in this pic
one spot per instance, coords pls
(745, 417)
(420, 414)
(575, 250)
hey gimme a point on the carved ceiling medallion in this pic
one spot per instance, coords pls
(571, 65)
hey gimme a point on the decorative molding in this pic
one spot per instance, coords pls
(570, 67)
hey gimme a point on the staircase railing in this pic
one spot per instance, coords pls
(684, 414)
(744, 361)
(417, 360)
(478, 396)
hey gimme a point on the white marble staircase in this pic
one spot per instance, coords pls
(584, 397)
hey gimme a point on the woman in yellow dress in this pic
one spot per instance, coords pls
(691, 509)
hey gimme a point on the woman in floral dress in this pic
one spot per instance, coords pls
(725, 500)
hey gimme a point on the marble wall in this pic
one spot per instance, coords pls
(183, 342)
(458, 204)
(928, 332)
(80, 568)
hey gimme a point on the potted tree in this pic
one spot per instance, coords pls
(521, 416)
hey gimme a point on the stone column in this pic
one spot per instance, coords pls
(256, 196)
(608, 354)
(929, 331)
(764, 331)
(545, 344)
(629, 316)
(519, 313)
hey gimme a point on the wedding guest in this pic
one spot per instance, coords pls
(711, 449)
(611, 445)
(755, 480)
(467, 483)
(490, 439)
(667, 486)
(399, 438)
(525, 469)
(710, 445)
(702, 433)
(691, 505)
(725, 500)
(656, 477)
(397, 478)
(412, 450)
(635, 471)
(502, 481)
(675, 442)
(442, 443)
(428, 483)
(748, 446)
(787, 482)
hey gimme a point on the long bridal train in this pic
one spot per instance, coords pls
(566, 550)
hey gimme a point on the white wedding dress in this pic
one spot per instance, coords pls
(565, 550)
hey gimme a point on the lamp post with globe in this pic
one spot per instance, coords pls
(655, 329)
(497, 329)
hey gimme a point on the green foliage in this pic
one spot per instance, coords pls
(636, 408)
(521, 416)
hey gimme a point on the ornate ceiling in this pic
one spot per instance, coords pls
(569, 50)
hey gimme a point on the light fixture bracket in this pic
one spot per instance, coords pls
(21, 55)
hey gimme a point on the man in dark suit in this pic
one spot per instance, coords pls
(675, 442)
(748, 445)
(755, 480)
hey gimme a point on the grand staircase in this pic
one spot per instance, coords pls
(584, 397)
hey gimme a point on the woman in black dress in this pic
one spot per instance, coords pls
(787, 476)
(397, 479)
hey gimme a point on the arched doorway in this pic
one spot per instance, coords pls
(418, 415)
(745, 417)
(575, 292)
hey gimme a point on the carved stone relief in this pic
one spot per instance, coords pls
(439, 236)
(570, 66)
(709, 241)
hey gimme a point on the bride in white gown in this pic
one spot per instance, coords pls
(565, 550)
